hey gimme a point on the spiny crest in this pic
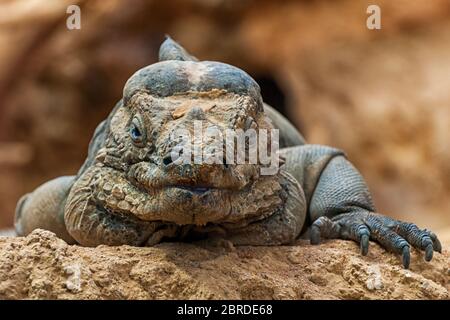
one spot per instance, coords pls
(171, 50)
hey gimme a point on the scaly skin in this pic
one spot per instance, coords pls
(130, 192)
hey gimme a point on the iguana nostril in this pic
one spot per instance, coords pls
(167, 160)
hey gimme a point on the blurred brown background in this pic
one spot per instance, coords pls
(383, 95)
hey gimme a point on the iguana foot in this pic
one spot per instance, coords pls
(395, 236)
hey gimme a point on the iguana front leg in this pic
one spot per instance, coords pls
(340, 205)
(44, 208)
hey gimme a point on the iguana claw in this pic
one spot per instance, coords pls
(360, 225)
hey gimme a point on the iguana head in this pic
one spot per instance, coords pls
(135, 170)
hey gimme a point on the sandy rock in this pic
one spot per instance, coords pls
(41, 266)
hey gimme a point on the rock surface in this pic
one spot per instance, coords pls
(41, 266)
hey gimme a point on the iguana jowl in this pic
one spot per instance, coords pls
(130, 192)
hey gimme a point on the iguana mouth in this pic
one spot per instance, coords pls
(181, 201)
(194, 189)
(195, 178)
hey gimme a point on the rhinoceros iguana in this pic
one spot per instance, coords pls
(130, 190)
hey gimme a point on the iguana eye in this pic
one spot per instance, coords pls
(136, 131)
